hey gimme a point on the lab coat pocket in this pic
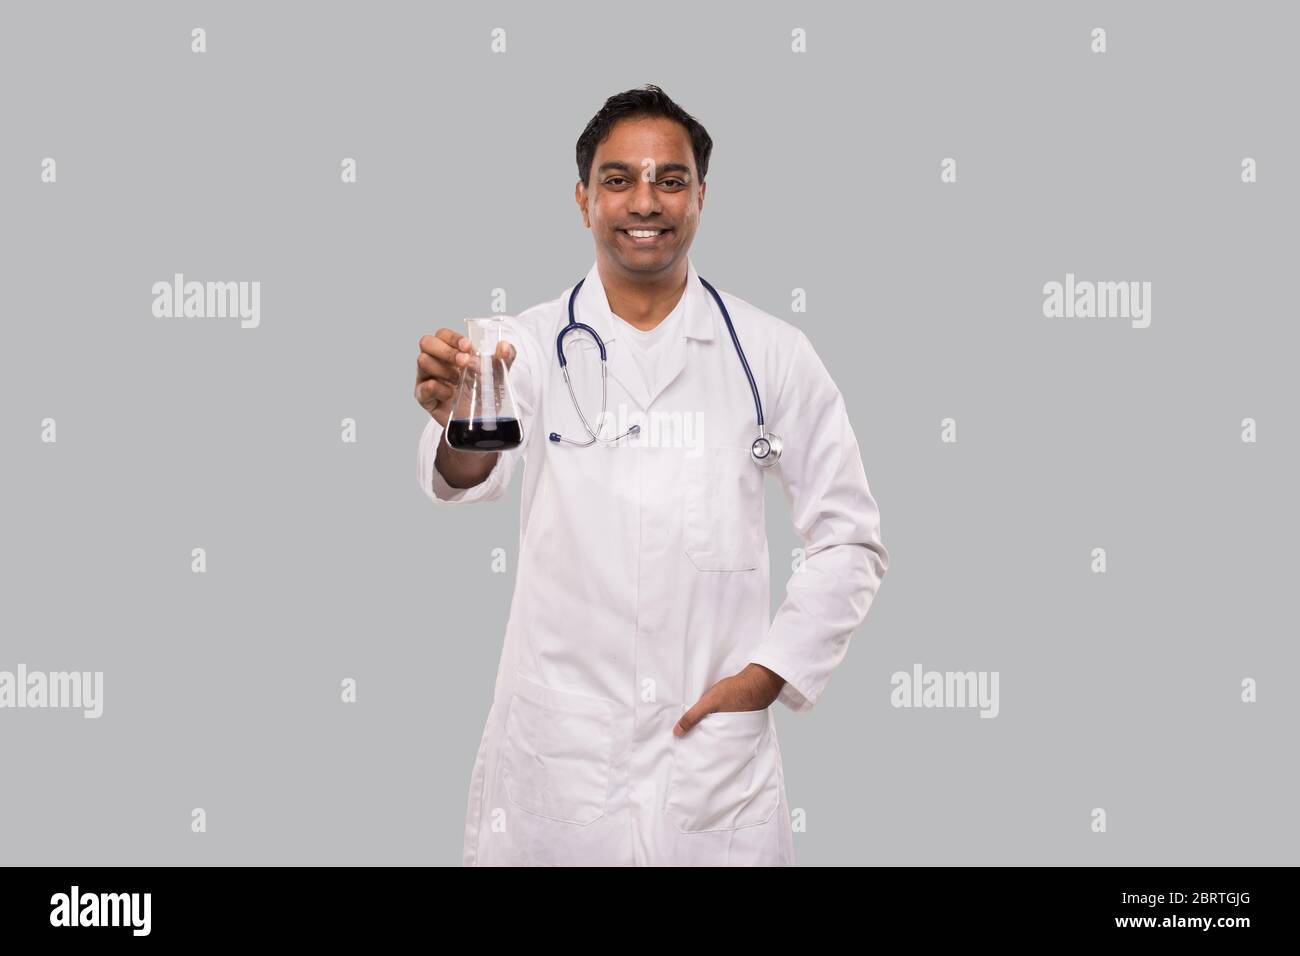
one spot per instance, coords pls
(723, 515)
(725, 773)
(557, 752)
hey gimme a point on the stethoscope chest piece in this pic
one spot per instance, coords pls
(766, 450)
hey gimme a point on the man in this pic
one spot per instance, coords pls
(631, 722)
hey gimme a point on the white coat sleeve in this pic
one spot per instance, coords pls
(821, 473)
(522, 378)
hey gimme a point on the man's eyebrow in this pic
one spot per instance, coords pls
(665, 168)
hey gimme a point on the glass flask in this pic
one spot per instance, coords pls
(483, 415)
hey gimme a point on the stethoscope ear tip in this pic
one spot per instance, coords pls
(555, 436)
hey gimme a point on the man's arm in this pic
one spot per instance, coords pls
(821, 473)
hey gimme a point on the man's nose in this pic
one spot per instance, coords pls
(644, 200)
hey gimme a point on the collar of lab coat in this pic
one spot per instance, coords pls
(592, 308)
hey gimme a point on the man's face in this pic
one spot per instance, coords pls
(643, 177)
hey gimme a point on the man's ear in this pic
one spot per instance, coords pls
(580, 196)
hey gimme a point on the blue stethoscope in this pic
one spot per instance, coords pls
(766, 448)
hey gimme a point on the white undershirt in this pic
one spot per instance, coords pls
(647, 347)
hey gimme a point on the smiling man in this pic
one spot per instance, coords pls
(632, 720)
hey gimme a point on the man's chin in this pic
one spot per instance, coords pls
(649, 260)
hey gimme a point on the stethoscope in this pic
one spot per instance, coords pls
(766, 448)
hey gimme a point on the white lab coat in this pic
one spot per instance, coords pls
(643, 579)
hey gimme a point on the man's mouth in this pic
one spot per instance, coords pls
(645, 237)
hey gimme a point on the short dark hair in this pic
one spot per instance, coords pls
(649, 100)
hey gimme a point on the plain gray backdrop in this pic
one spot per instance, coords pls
(221, 690)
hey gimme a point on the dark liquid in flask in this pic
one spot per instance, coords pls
(468, 434)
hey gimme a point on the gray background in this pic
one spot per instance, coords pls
(925, 301)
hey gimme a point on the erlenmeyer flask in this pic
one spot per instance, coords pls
(483, 415)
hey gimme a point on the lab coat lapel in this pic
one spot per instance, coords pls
(593, 309)
(697, 323)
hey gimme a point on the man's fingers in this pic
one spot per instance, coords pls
(702, 709)
(433, 389)
(438, 367)
(444, 356)
(453, 338)
(445, 346)
(429, 367)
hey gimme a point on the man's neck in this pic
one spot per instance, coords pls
(644, 305)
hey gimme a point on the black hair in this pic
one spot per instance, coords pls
(649, 100)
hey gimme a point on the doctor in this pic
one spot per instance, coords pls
(631, 722)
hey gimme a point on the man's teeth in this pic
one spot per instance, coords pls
(643, 233)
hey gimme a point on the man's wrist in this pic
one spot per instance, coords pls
(775, 679)
(463, 469)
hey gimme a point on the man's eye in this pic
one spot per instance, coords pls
(619, 179)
